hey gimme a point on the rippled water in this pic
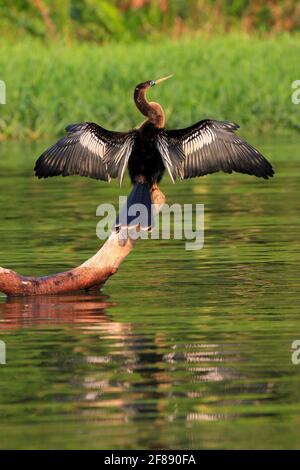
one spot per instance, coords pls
(181, 349)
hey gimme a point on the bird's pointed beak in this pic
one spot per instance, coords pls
(162, 79)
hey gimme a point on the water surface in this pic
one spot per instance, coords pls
(181, 349)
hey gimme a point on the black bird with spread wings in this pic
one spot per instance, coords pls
(206, 147)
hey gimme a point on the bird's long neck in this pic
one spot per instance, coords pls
(153, 111)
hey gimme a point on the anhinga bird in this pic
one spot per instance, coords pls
(206, 147)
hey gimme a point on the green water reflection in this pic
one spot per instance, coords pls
(182, 349)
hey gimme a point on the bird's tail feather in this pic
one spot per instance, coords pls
(137, 211)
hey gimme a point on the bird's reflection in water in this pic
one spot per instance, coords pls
(119, 370)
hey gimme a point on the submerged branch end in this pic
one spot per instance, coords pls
(90, 275)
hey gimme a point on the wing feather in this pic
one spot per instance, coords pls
(172, 155)
(211, 146)
(87, 150)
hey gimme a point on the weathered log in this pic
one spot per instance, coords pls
(92, 274)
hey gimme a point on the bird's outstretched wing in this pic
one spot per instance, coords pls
(210, 146)
(87, 150)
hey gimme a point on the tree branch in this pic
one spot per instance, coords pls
(44, 12)
(92, 274)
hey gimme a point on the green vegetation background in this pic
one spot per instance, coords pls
(68, 61)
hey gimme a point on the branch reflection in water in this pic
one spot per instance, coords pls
(116, 371)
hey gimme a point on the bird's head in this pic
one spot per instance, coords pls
(150, 83)
(153, 111)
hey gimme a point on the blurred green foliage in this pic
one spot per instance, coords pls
(56, 72)
(100, 20)
(234, 77)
